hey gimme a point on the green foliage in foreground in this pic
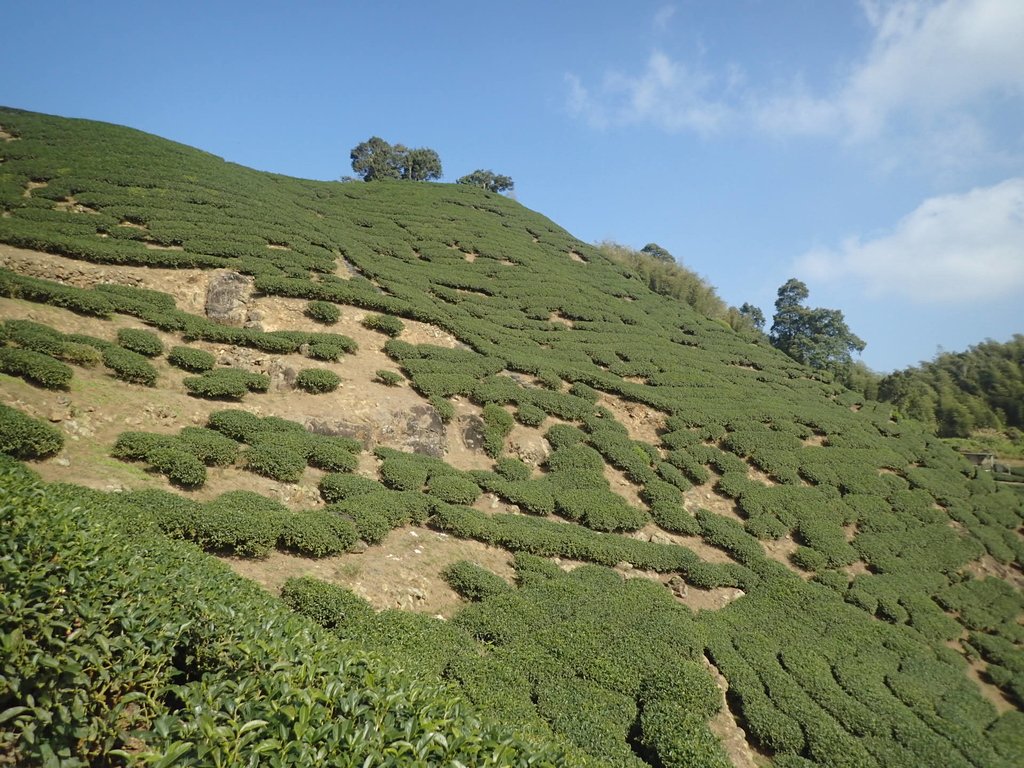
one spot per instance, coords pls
(104, 664)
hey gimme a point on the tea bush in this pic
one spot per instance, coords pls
(277, 462)
(317, 380)
(473, 582)
(226, 384)
(36, 368)
(191, 359)
(338, 487)
(390, 326)
(323, 312)
(130, 366)
(317, 533)
(388, 378)
(24, 437)
(143, 342)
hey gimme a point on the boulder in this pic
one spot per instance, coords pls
(227, 297)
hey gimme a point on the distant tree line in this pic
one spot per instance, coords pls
(376, 159)
(959, 392)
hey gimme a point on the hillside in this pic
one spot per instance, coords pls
(586, 524)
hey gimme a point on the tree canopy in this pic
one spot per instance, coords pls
(816, 337)
(488, 180)
(657, 252)
(958, 392)
(376, 159)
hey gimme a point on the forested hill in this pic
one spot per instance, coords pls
(958, 392)
(520, 509)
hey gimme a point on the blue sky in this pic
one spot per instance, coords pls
(874, 149)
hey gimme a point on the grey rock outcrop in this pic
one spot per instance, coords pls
(227, 297)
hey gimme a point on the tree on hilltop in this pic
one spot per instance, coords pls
(488, 180)
(817, 337)
(657, 252)
(376, 159)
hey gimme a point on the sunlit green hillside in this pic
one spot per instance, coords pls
(698, 512)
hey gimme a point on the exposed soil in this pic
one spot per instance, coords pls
(30, 186)
(976, 671)
(6, 136)
(403, 571)
(725, 726)
(187, 286)
(779, 550)
(987, 565)
(641, 421)
(706, 497)
(70, 205)
(574, 256)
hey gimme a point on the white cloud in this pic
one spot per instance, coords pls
(667, 94)
(929, 62)
(928, 67)
(953, 249)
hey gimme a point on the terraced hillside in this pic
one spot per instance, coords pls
(470, 447)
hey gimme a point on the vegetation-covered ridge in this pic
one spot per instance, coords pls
(854, 581)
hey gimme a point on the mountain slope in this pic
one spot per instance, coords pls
(847, 560)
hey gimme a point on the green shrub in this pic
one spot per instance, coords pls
(389, 378)
(530, 415)
(564, 435)
(599, 509)
(325, 350)
(191, 359)
(226, 384)
(129, 366)
(242, 522)
(23, 437)
(512, 468)
(473, 582)
(323, 312)
(386, 324)
(404, 472)
(328, 605)
(317, 533)
(277, 462)
(178, 466)
(317, 380)
(35, 367)
(332, 454)
(497, 424)
(338, 487)
(238, 425)
(455, 489)
(210, 447)
(136, 446)
(137, 340)
(84, 355)
(443, 407)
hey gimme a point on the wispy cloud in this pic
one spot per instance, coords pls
(929, 62)
(926, 70)
(952, 249)
(663, 16)
(666, 94)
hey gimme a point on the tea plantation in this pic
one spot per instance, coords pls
(707, 514)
